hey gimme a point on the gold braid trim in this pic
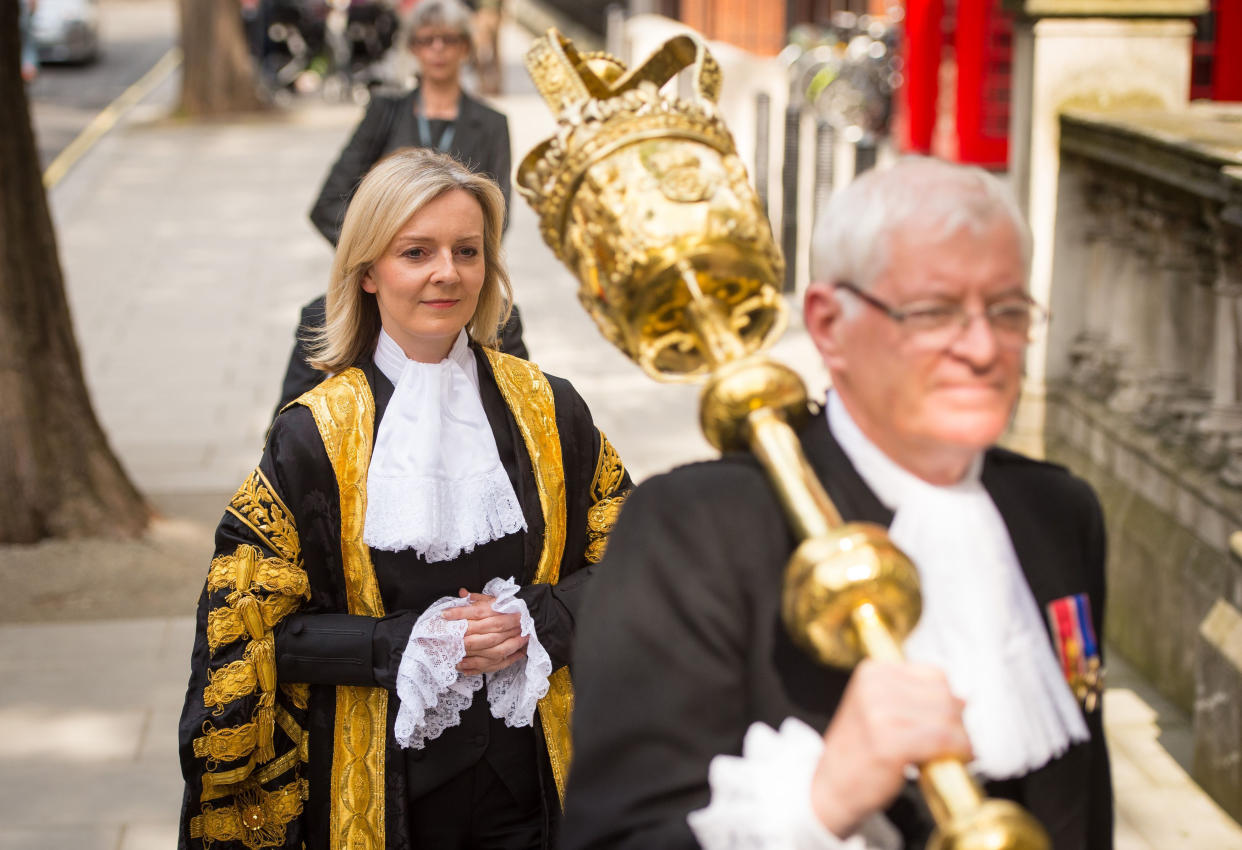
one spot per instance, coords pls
(609, 470)
(256, 668)
(225, 782)
(227, 744)
(296, 733)
(221, 784)
(601, 517)
(256, 504)
(298, 694)
(344, 412)
(275, 575)
(605, 505)
(232, 681)
(246, 614)
(529, 398)
(256, 818)
(224, 625)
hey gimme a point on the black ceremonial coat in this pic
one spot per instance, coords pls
(681, 645)
(270, 761)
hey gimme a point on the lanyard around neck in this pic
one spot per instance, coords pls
(424, 127)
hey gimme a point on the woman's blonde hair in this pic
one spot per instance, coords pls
(396, 188)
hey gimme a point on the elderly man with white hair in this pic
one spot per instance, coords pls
(684, 670)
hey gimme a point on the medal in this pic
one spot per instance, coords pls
(1077, 647)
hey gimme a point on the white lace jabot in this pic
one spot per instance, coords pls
(980, 623)
(436, 484)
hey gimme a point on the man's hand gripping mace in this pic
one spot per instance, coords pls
(849, 591)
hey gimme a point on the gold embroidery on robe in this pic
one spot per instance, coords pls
(257, 504)
(605, 504)
(256, 819)
(344, 412)
(224, 625)
(232, 743)
(263, 590)
(528, 396)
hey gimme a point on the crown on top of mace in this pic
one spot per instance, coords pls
(642, 195)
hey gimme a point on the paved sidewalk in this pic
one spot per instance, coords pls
(187, 255)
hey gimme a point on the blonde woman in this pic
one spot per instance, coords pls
(437, 114)
(383, 637)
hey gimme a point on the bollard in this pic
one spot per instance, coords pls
(789, 194)
(763, 153)
(865, 150)
(614, 31)
(825, 163)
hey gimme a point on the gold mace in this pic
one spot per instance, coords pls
(642, 195)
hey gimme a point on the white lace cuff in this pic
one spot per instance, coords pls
(432, 692)
(515, 691)
(761, 800)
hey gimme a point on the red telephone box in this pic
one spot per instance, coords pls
(955, 98)
(964, 47)
(1216, 69)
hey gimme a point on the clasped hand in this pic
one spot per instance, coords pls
(493, 641)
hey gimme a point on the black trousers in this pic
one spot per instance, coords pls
(477, 810)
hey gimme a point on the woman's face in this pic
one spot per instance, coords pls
(427, 282)
(440, 52)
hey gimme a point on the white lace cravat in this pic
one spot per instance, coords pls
(436, 484)
(433, 693)
(980, 623)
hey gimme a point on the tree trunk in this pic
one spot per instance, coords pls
(217, 75)
(58, 477)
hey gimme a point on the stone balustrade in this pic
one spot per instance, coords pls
(1144, 383)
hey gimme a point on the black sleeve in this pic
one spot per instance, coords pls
(299, 376)
(659, 670)
(342, 649)
(356, 158)
(265, 550)
(1100, 813)
(554, 608)
(511, 341)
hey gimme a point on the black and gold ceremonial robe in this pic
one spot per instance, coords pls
(270, 761)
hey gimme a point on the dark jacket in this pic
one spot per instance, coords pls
(681, 645)
(480, 141)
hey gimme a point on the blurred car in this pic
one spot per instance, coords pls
(66, 30)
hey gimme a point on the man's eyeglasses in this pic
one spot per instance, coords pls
(1015, 320)
(450, 39)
